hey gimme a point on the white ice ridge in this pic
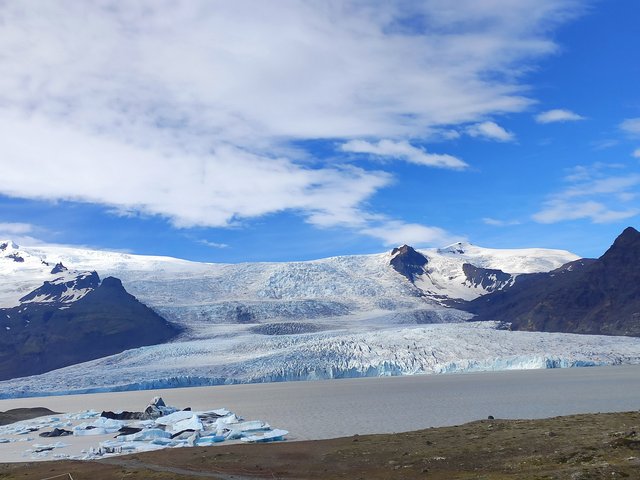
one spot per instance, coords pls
(90, 435)
(441, 348)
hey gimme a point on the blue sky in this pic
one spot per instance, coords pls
(259, 131)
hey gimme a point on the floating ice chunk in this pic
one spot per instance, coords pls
(174, 417)
(253, 425)
(86, 415)
(5, 440)
(239, 430)
(83, 430)
(191, 423)
(209, 439)
(149, 434)
(228, 420)
(272, 436)
(39, 446)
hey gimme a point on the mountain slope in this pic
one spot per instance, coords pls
(343, 291)
(589, 296)
(53, 327)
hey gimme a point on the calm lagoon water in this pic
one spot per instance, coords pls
(335, 408)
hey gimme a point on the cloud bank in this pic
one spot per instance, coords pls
(192, 110)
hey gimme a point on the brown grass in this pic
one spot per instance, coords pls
(577, 447)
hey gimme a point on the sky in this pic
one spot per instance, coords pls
(291, 130)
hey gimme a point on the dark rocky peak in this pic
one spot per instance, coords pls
(575, 266)
(488, 279)
(63, 290)
(16, 258)
(625, 251)
(59, 268)
(8, 244)
(408, 262)
(112, 283)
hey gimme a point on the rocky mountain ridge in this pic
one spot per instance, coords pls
(593, 296)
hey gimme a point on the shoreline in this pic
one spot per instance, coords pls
(583, 446)
(341, 408)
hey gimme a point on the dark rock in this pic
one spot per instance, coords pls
(182, 433)
(56, 432)
(408, 262)
(488, 279)
(59, 268)
(43, 449)
(123, 415)
(16, 258)
(491, 417)
(128, 431)
(53, 291)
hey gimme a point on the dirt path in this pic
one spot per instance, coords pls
(135, 464)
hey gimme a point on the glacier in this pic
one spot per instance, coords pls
(339, 317)
(251, 358)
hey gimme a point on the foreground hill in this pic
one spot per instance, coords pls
(594, 296)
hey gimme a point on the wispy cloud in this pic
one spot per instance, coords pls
(500, 223)
(636, 153)
(8, 228)
(631, 126)
(20, 233)
(593, 193)
(193, 110)
(213, 244)
(490, 131)
(558, 115)
(403, 150)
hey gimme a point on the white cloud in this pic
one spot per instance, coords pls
(500, 223)
(636, 153)
(631, 126)
(595, 195)
(394, 232)
(212, 190)
(558, 115)
(490, 131)
(191, 109)
(403, 150)
(213, 244)
(559, 211)
(7, 228)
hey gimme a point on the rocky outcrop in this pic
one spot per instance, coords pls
(408, 262)
(488, 279)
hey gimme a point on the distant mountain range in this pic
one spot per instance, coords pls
(238, 322)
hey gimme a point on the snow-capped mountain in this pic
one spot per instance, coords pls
(337, 290)
(359, 315)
